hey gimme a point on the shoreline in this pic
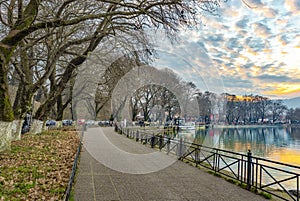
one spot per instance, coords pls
(255, 126)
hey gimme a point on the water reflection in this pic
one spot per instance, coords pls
(276, 143)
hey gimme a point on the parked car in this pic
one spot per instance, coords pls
(103, 123)
(50, 122)
(90, 122)
(67, 122)
(81, 121)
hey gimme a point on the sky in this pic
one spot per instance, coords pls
(252, 49)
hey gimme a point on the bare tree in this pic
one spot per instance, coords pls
(145, 99)
(111, 76)
(277, 109)
(205, 105)
(99, 19)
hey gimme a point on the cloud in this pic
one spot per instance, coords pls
(282, 21)
(261, 30)
(255, 49)
(269, 12)
(230, 9)
(214, 39)
(218, 61)
(267, 67)
(238, 85)
(283, 39)
(282, 89)
(263, 9)
(248, 65)
(202, 45)
(215, 23)
(293, 6)
(277, 78)
(254, 3)
(255, 44)
(242, 24)
(234, 43)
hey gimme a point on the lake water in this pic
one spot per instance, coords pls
(275, 143)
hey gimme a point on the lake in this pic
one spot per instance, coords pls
(275, 143)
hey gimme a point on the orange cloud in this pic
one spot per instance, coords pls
(283, 89)
(267, 50)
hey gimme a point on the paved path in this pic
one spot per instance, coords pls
(113, 167)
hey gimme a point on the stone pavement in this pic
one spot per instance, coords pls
(113, 167)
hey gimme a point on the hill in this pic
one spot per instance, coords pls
(292, 103)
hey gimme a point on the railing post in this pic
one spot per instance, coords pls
(180, 149)
(137, 136)
(249, 166)
(152, 141)
(160, 142)
(215, 161)
(168, 145)
(197, 156)
(298, 196)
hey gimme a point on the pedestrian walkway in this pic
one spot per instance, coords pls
(113, 167)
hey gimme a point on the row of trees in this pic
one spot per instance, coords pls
(42, 44)
(155, 94)
(223, 108)
(293, 115)
(154, 102)
(250, 109)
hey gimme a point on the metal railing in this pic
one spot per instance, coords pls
(74, 167)
(278, 179)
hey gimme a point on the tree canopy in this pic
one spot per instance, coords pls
(42, 43)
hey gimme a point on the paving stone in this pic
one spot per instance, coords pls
(176, 182)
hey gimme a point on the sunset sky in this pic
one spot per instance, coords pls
(242, 50)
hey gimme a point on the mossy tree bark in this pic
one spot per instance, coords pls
(7, 46)
(6, 112)
(23, 101)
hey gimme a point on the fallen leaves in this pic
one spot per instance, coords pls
(38, 166)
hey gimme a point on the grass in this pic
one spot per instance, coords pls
(265, 195)
(38, 166)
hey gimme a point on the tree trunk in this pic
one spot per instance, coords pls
(6, 112)
(60, 108)
(23, 101)
(7, 46)
(45, 108)
(73, 111)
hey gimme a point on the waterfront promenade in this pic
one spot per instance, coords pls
(113, 167)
